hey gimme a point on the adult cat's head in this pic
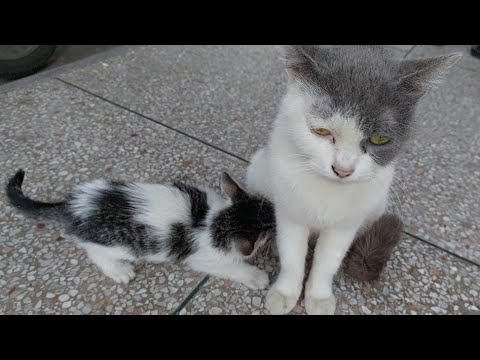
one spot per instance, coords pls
(349, 109)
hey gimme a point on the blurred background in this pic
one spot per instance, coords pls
(17, 61)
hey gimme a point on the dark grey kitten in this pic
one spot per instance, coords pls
(121, 223)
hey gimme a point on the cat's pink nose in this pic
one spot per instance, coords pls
(343, 173)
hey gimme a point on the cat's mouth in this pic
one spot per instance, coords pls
(334, 178)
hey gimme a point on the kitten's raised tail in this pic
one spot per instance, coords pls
(371, 250)
(29, 206)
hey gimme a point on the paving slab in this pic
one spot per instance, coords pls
(225, 95)
(418, 279)
(438, 174)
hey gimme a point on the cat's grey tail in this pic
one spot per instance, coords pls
(372, 249)
(28, 206)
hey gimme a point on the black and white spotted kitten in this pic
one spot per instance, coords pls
(119, 224)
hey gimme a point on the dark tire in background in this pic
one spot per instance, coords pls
(17, 61)
(475, 50)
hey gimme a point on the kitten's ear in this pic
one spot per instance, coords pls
(419, 75)
(229, 187)
(244, 246)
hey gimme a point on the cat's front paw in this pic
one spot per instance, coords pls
(121, 272)
(315, 306)
(257, 279)
(278, 303)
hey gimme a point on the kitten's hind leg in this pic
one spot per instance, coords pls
(246, 274)
(115, 262)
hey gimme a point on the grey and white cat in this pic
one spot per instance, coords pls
(330, 159)
(119, 224)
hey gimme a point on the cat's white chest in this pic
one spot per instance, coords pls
(322, 203)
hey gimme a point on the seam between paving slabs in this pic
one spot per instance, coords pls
(235, 156)
(153, 120)
(191, 295)
(409, 51)
(471, 262)
(199, 287)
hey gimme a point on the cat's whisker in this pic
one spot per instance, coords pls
(303, 169)
(395, 201)
(298, 157)
(395, 207)
(401, 184)
(398, 186)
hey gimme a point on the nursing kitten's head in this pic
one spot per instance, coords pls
(350, 109)
(246, 223)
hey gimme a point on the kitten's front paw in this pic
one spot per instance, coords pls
(257, 279)
(121, 272)
(315, 306)
(278, 303)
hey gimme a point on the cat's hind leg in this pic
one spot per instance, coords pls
(115, 261)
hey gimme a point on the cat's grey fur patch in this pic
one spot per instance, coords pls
(366, 84)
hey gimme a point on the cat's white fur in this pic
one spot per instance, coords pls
(83, 206)
(295, 171)
(115, 262)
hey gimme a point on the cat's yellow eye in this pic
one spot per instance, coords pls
(379, 140)
(322, 132)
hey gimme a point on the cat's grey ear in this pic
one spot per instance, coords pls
(301, 59)
(417, 76)
(229, 187)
